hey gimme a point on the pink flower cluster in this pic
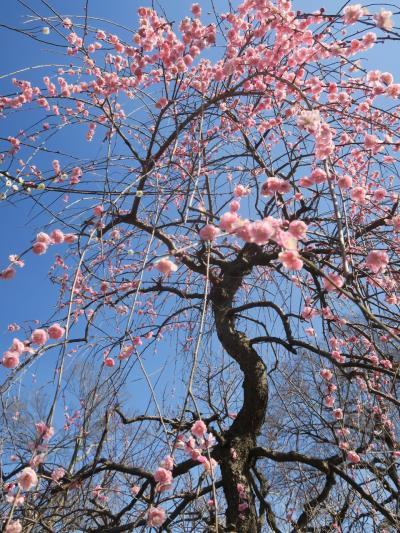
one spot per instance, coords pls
(262, 231)
(43, 240)
(353, 13)
(197, 443)
(27, 479)
(12, 355)
(163, 474)
(377, 261)
(333, 281)
(166, 266)
(44, 431)
(383, 20)
(275, 185)
(309, 120)
(324, 145)
(156, 516)
(39, 337)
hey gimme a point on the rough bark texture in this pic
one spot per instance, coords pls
(235, 459)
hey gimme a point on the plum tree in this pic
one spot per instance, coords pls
(218, 197)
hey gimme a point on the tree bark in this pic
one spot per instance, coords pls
(235, 457)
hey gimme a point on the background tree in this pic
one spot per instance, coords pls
(222, 354)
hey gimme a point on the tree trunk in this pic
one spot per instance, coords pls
(240, 439)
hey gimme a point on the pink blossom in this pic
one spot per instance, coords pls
(384, 20)
(358, 195)
(198, 429)
(167, 463)
(243, 230)
(298, 229)
(387, 78)
(98, 210)
(371, 142)
(13, 527)
(345, 182)
(309, 120)
(67, 23)
(234, 206)
(14, 141)
(241, 190)
(318, 176)
(326, 374)
(333, 281)
(27, 479)
(353, 13)
(39, 336)
(58, 474)
(324, 146)
(209, 232)
(275, 185)
(241, 491)
(305, 181)
(209, 465)
(228, 220)
(338, 413)
(15, 260)
(261, 232)
(10, 359)
(291, 260)
(8, 273)
(17, 346)
(125, 352)
(196, 10)
(196, 455)
(75, 175)
(37, 460)
(135, 489)
(109, 361)
(377, 261)
(165, 266)
(39, 248)
(57, 236)
(44, 237)
(55, 331)
(56, 166)
(163, 477)
(353, 457)
(162, 102)
(308, 313)
(70, 238)
(379, 195)
(329, 400)
(285, 239)
(156, 516)
(44, 431)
